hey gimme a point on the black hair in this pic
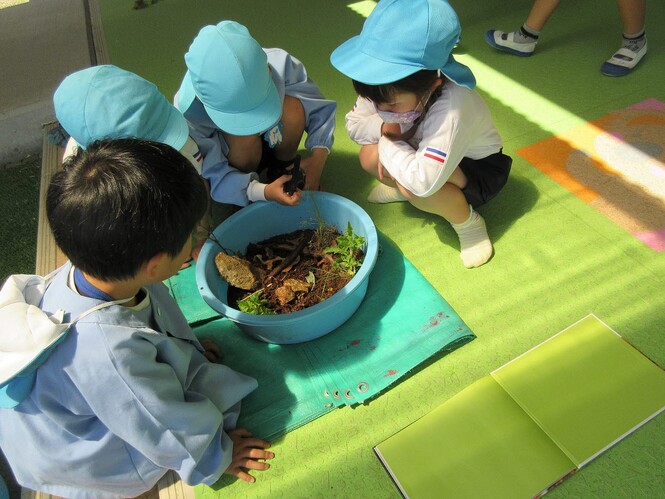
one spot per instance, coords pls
(118, 203)
(418, 83)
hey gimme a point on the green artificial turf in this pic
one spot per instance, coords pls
(19, 205)
(556, 258)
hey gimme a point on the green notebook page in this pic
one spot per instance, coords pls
(586, 387)
(477, 444)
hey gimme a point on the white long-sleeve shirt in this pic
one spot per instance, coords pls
(457, 125)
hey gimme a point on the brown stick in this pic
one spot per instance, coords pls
(289, 258)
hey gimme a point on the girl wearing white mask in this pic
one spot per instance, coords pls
(425, 133)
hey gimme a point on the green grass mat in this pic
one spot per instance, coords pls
(556, 258)
(19, 206)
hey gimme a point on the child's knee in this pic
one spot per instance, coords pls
(244, 151)
(293, 119)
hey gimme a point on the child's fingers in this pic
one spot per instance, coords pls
(243, 438)
(257, 453)
(291, 199)
(252, 464)
(211, 346)
(252, 443)
(241, 432)
(244, 476)
(212, 351)
(211, 357)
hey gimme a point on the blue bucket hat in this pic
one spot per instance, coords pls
(401, 37)
(106, 102)
(228, 71)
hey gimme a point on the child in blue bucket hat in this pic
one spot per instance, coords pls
(425, 133)
(104, 387)
(248, 108)
(107, 102)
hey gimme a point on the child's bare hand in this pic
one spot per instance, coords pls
(212, 351)
(275, 192)
(383, 172)
(391, 129)
(313, 167)
(248, 453)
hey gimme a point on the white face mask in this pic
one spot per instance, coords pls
(400, 118)
(406, 117)
(191, 151)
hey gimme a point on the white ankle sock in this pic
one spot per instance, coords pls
(634, 41)
(385, 194)
(475, 245)
(526, 35)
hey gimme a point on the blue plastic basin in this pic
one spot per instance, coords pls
(263, 220)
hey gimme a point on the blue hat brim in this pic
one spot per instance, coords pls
(351, 61)
(186, 93)
(248, 122)
(458, 73)
(176, 130)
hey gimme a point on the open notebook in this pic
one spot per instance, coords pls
(521, 430)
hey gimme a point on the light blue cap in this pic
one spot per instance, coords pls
(401, 37)
(106, 102)
(228, 71)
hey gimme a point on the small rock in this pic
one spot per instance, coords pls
(237, 271)
(287, 292)
(296, 285)
(284, 295)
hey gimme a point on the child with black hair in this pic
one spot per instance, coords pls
(106, 388)
(425, 133)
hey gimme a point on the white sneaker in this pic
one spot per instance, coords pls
(623, 61)
(506, 42)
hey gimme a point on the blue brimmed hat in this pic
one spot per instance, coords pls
(401, 37)
(106, 102)
(228, 71)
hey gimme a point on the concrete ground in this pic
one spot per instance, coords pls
(41, 41)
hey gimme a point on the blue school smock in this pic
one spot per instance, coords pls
(126, 396)
(229, 185)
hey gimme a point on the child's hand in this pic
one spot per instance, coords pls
(247, 454)
(313, 167)
(391, 129)
(382, 172)
(275, 192)
(212, 351)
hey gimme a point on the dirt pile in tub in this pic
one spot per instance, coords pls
(293, 271)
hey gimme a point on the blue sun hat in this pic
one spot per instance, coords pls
(401, 37)
(228, 71)
(106, 102)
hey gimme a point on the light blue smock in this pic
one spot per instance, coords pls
(126, 396)
(229, 185)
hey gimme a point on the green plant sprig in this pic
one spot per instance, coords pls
(254, 304)
(348, 248)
